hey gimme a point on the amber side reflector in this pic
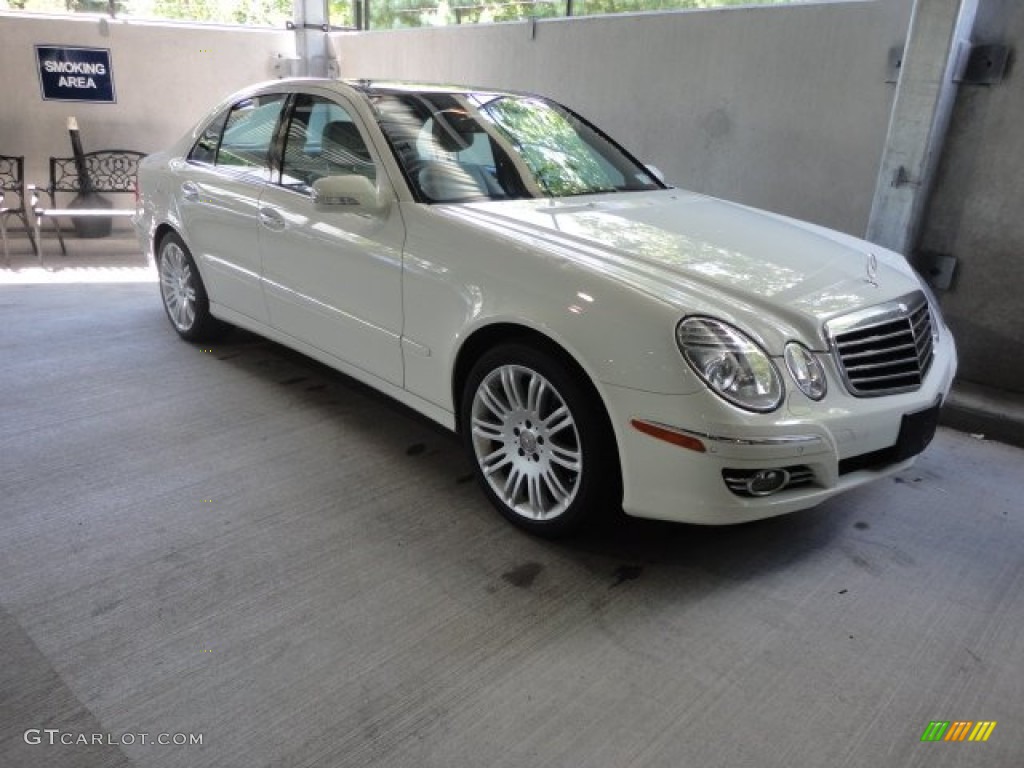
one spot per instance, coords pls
(668, 435)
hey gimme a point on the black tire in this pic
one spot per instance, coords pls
(183, 293)
(539, 440)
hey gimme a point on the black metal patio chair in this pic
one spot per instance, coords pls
(13, 199)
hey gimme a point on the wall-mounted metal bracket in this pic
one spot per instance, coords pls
(982, 64)
(894, 64)
(937, 268)
(902, 178)
(976, 64)
(291, 25)
(285, 66)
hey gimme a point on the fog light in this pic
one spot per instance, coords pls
(767, 481)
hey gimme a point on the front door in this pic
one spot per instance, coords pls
(332, 277)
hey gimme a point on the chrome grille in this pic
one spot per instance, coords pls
(885, 349)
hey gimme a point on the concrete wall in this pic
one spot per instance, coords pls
(976, 213)
(784, 108)
(165, 78)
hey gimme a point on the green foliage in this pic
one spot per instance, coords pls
(40, 6)
(254, 12)
(384, 14)
(341, 13)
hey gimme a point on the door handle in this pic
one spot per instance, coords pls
(271, 219)
(190, 191)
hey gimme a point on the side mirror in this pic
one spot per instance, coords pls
(353, 192)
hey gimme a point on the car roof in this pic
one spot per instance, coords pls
(401, 86)
(370, 87)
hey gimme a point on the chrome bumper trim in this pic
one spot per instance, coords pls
(766, 441)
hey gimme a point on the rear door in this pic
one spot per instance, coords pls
(219, 193)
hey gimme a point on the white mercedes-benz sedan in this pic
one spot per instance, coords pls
(599, 339)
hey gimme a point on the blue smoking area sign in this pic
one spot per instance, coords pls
(75, 74)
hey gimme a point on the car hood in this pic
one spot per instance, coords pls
(705, 255)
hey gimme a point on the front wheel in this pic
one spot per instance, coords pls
(539, 440)
(183, 293)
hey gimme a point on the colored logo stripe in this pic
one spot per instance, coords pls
(958, 730)
(982, 730)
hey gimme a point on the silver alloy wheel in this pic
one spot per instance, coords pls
(526, 442)
(177, 285)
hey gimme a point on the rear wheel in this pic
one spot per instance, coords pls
(183, 293)
(540, 444)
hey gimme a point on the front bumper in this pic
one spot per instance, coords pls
(833, 446)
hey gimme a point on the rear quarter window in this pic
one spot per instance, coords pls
(242, 139)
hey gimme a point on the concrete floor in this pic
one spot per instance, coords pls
(239, 543)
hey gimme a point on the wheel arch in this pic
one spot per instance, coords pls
(489, 336)
(161, 231)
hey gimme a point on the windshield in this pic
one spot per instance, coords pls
(460, 147)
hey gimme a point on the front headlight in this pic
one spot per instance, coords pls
(731, 363)
(806, 370)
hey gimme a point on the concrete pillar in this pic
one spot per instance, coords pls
(920, 117)
(312, 19)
